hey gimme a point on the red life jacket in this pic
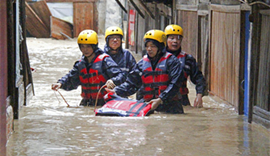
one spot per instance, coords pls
(118, 106)
(94, 79)
(182, 58)
(154, 82)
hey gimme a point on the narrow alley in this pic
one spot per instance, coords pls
(48, 127)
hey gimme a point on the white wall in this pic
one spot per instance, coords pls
(109, 14)
(101, 5)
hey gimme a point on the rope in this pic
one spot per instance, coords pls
(56, 96)
(98, 95)
(63, 98)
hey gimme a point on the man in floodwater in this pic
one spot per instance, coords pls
(113, 47)
(174, 35)
(159, 73)
(92, 71)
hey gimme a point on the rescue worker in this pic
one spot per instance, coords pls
(92, 71)
(159, 73)
(113, 47)
(174, 35)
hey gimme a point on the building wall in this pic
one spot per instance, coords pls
(186, 2)
(101, 4)
(151, 16)
(263, 92)
(188, 20)
(113, 14)
(225, 53)
(84, 17)
(225, 2)
(9, 118)
(3, 76)
(212, 36)
(259, 108)
(110, 14)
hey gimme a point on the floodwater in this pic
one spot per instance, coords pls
(48, 128)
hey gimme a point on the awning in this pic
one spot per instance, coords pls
(137, 8)
(146, 9)
(166, 2)
(121, 6)
(140, 3)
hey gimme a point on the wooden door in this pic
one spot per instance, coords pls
(84, 17)
(259, 110)
(225, 53)
(188, 20)
(263, 88)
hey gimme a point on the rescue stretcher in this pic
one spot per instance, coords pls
(118, 106)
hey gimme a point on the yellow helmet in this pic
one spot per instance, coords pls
(173, 29)
(113, 31)
(157, 35)
(88, 37)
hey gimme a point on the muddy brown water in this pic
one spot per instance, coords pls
(47, 127)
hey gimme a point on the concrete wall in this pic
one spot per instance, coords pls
(9, 119)
(101, 5)
(21, 92)
(109, 14)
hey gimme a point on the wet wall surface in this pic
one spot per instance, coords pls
(47, 127)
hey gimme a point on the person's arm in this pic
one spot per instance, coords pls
(132, 84)
(195, 74)
(71, 80)
(155, 103)
(113, 71)
(131, 62)
(197, 78)
(56, 86)
(198, 102)
(176, 77)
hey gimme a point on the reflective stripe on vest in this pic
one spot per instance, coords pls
(154, 82)
(94, 79)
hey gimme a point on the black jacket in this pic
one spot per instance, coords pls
(191, 69)
(71, 80)
(134, 81)
(123, 58)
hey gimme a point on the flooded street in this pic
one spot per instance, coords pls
(47, 127)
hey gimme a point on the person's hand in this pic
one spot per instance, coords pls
(198, 102)
(56, 86)
(155, 103)
(110, 84)
(110, 90)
